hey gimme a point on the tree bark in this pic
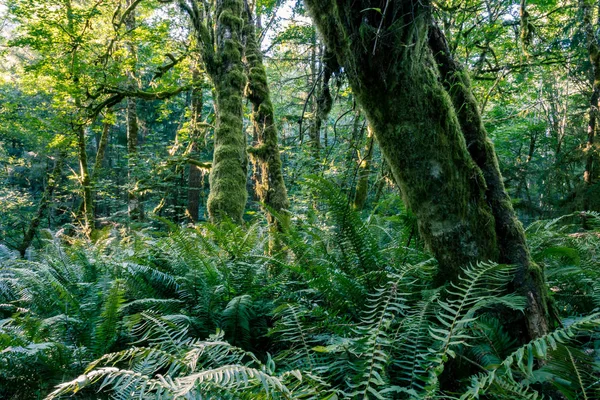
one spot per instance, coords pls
(228, 194)
(393, 74)
(529, 280)
(271, 189)
(590, 151)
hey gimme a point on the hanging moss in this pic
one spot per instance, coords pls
(228, 195)
(271, 188)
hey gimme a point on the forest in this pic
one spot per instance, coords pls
(300, 199)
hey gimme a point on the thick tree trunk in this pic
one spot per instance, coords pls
(228, 194)
(396, 80)
(195, 175)
(393, 74)
(43, 206)
(529, 280)
(590, 151)
(364, 171)
(134, 203)
(271, 189)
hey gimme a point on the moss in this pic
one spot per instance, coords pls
(398, 87)
(228, 195)
(271, 188)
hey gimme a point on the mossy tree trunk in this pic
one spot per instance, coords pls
(529, 280)
(593, 46)
(228, 194)
(271, 188)
(220, 45)
(394, 76)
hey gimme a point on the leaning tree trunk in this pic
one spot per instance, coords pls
(43, 206)
(271, 188)
(393, 73)
(529, 280)
(228, 194)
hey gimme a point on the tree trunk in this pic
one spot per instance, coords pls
(590, 151)
(86, 183)
(102, 145)
(134, 203)
(271, 188)
(195, 175)
(397, 83)
(228, 194)
(43, 206)
(364, 171)
(529, 280)
(393, 74)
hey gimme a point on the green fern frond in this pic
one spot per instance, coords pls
(479, 286)
(523, 359)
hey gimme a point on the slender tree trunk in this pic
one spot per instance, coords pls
(102, 145)
(324, 99)
(364, 171)
(53, 180)
(228, 194)
(134, 203)
(510, 235)
(271, 188)
(86, 183)
(195, 175)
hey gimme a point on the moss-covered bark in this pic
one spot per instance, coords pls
(271, 188)
(509, 231)
(392, 72)
(228, 192)
(593, 46)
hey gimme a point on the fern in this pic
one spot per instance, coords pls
(236, 319)
(479, 286)
(523, 358)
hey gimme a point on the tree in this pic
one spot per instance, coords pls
(221, 49)
(383, 47)
(271, 188)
